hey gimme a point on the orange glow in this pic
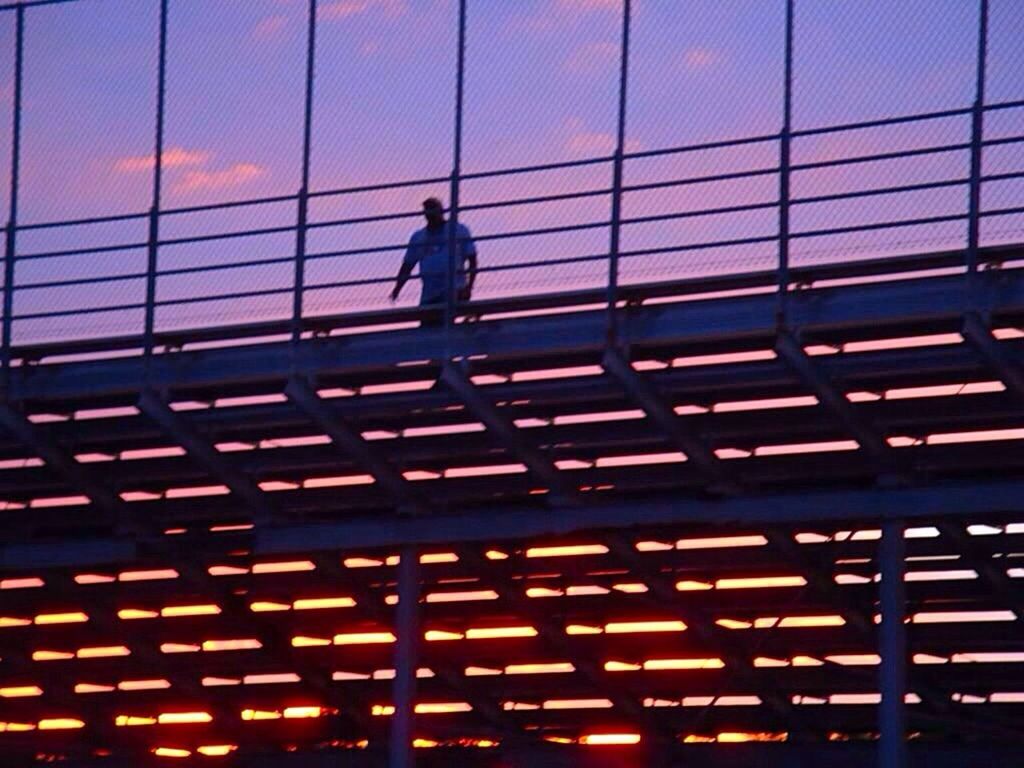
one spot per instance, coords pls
(128, 614)
(788, 449)
(103, 651)
(735, 737)
(170, 752)
(715, 542)
(362, 562)
(143, 685)
(568, 550)
(16, 727)
(210, 682)
(561, 667)
(544, 592)
(667, 664)
(946, 617)
(190, 610)
(226, 570)
(296, 713)
(494, 554)
(812, 621)
(93, 578)
(284, 567)
(424, 743)
(93, 688)
(319, 603)
(243, 644)
(217, 750)
(20, 691)
(609, 739)
(557, 373)
(235, 527)
(855, 659)
(641, 459)
(765, 404)
(630, 588)
(269, 679)
(10, 621)
(459, 597)
(481, 671)
(264, 606)
(51, 655)
(693, 586)
(625, 627)
(438, 635)
(260, 714)
(133, 720)
(179, 648)
(181, 718)
(577, 704)
(310, 642)
(493, 633)
(582, 629)
(364, 638)
(762, 582)
(60, 724)
(75, 617)
(726, 357)
(485, 471)
(338, 481)
(163, 573)
(195, 491)
(903, 342)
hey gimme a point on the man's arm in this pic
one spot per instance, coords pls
(405, 271)
(469, 254)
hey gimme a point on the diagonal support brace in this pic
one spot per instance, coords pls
(790, 350)
(643, 393)
(305, 398)
(200, 449)
(454, 375)
(979, 336)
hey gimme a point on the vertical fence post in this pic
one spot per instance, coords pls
(784, 165)
(407, 627)
(977, 135)
(617, 173)
(153, 239)
(303, 197)
(892, 647)
(454, 246)
(11, 231)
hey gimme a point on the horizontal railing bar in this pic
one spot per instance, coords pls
(228, 265)
(228, 235)
(229, 204)
(78, 252)
(71, 282)
(74, 312)
(82, 222)
(379, 187)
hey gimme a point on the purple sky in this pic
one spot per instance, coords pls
(541, 86)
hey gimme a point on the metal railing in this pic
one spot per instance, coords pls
(176, 277)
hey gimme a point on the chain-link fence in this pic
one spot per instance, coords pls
(188, 164)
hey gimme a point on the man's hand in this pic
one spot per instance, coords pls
(394, 294)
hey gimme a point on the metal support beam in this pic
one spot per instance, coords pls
(200, 449)
(980, 337)
(641, 392)
(351, 442)
(790, 350)
(407, 629)
(892, 748)
(454, 375)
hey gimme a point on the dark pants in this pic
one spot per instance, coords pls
(432, 309)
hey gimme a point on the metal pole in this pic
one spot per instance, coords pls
(892, 647)
(407, 627)
(617, 168)
(153, 240)
(977, 134)
(454, 248)
(784, 163)
(303, 213)
(12, 214)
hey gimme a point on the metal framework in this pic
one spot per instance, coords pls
(615, 526)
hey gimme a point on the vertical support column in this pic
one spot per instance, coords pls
(153, 240)
(892, 647)
(977, 136)
(617, 172)
(784, 165)
(303, 197)
(407, 628)
(11, 231)
(454, 246)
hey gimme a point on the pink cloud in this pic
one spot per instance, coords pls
(582, 142)
(341, 9)
(700, 58)
(174, 157)
(592, 58)
(233, 176)
(270, 27)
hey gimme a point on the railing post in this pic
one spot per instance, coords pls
(454, 247)
(407, 629)
(892, 647)
(784, 165)
(977, 136)
(617, 173)
(298, 291)
(153, 239)
(11, 231)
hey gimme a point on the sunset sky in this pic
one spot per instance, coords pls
(541, 86)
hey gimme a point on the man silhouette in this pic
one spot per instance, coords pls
(429, 248)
